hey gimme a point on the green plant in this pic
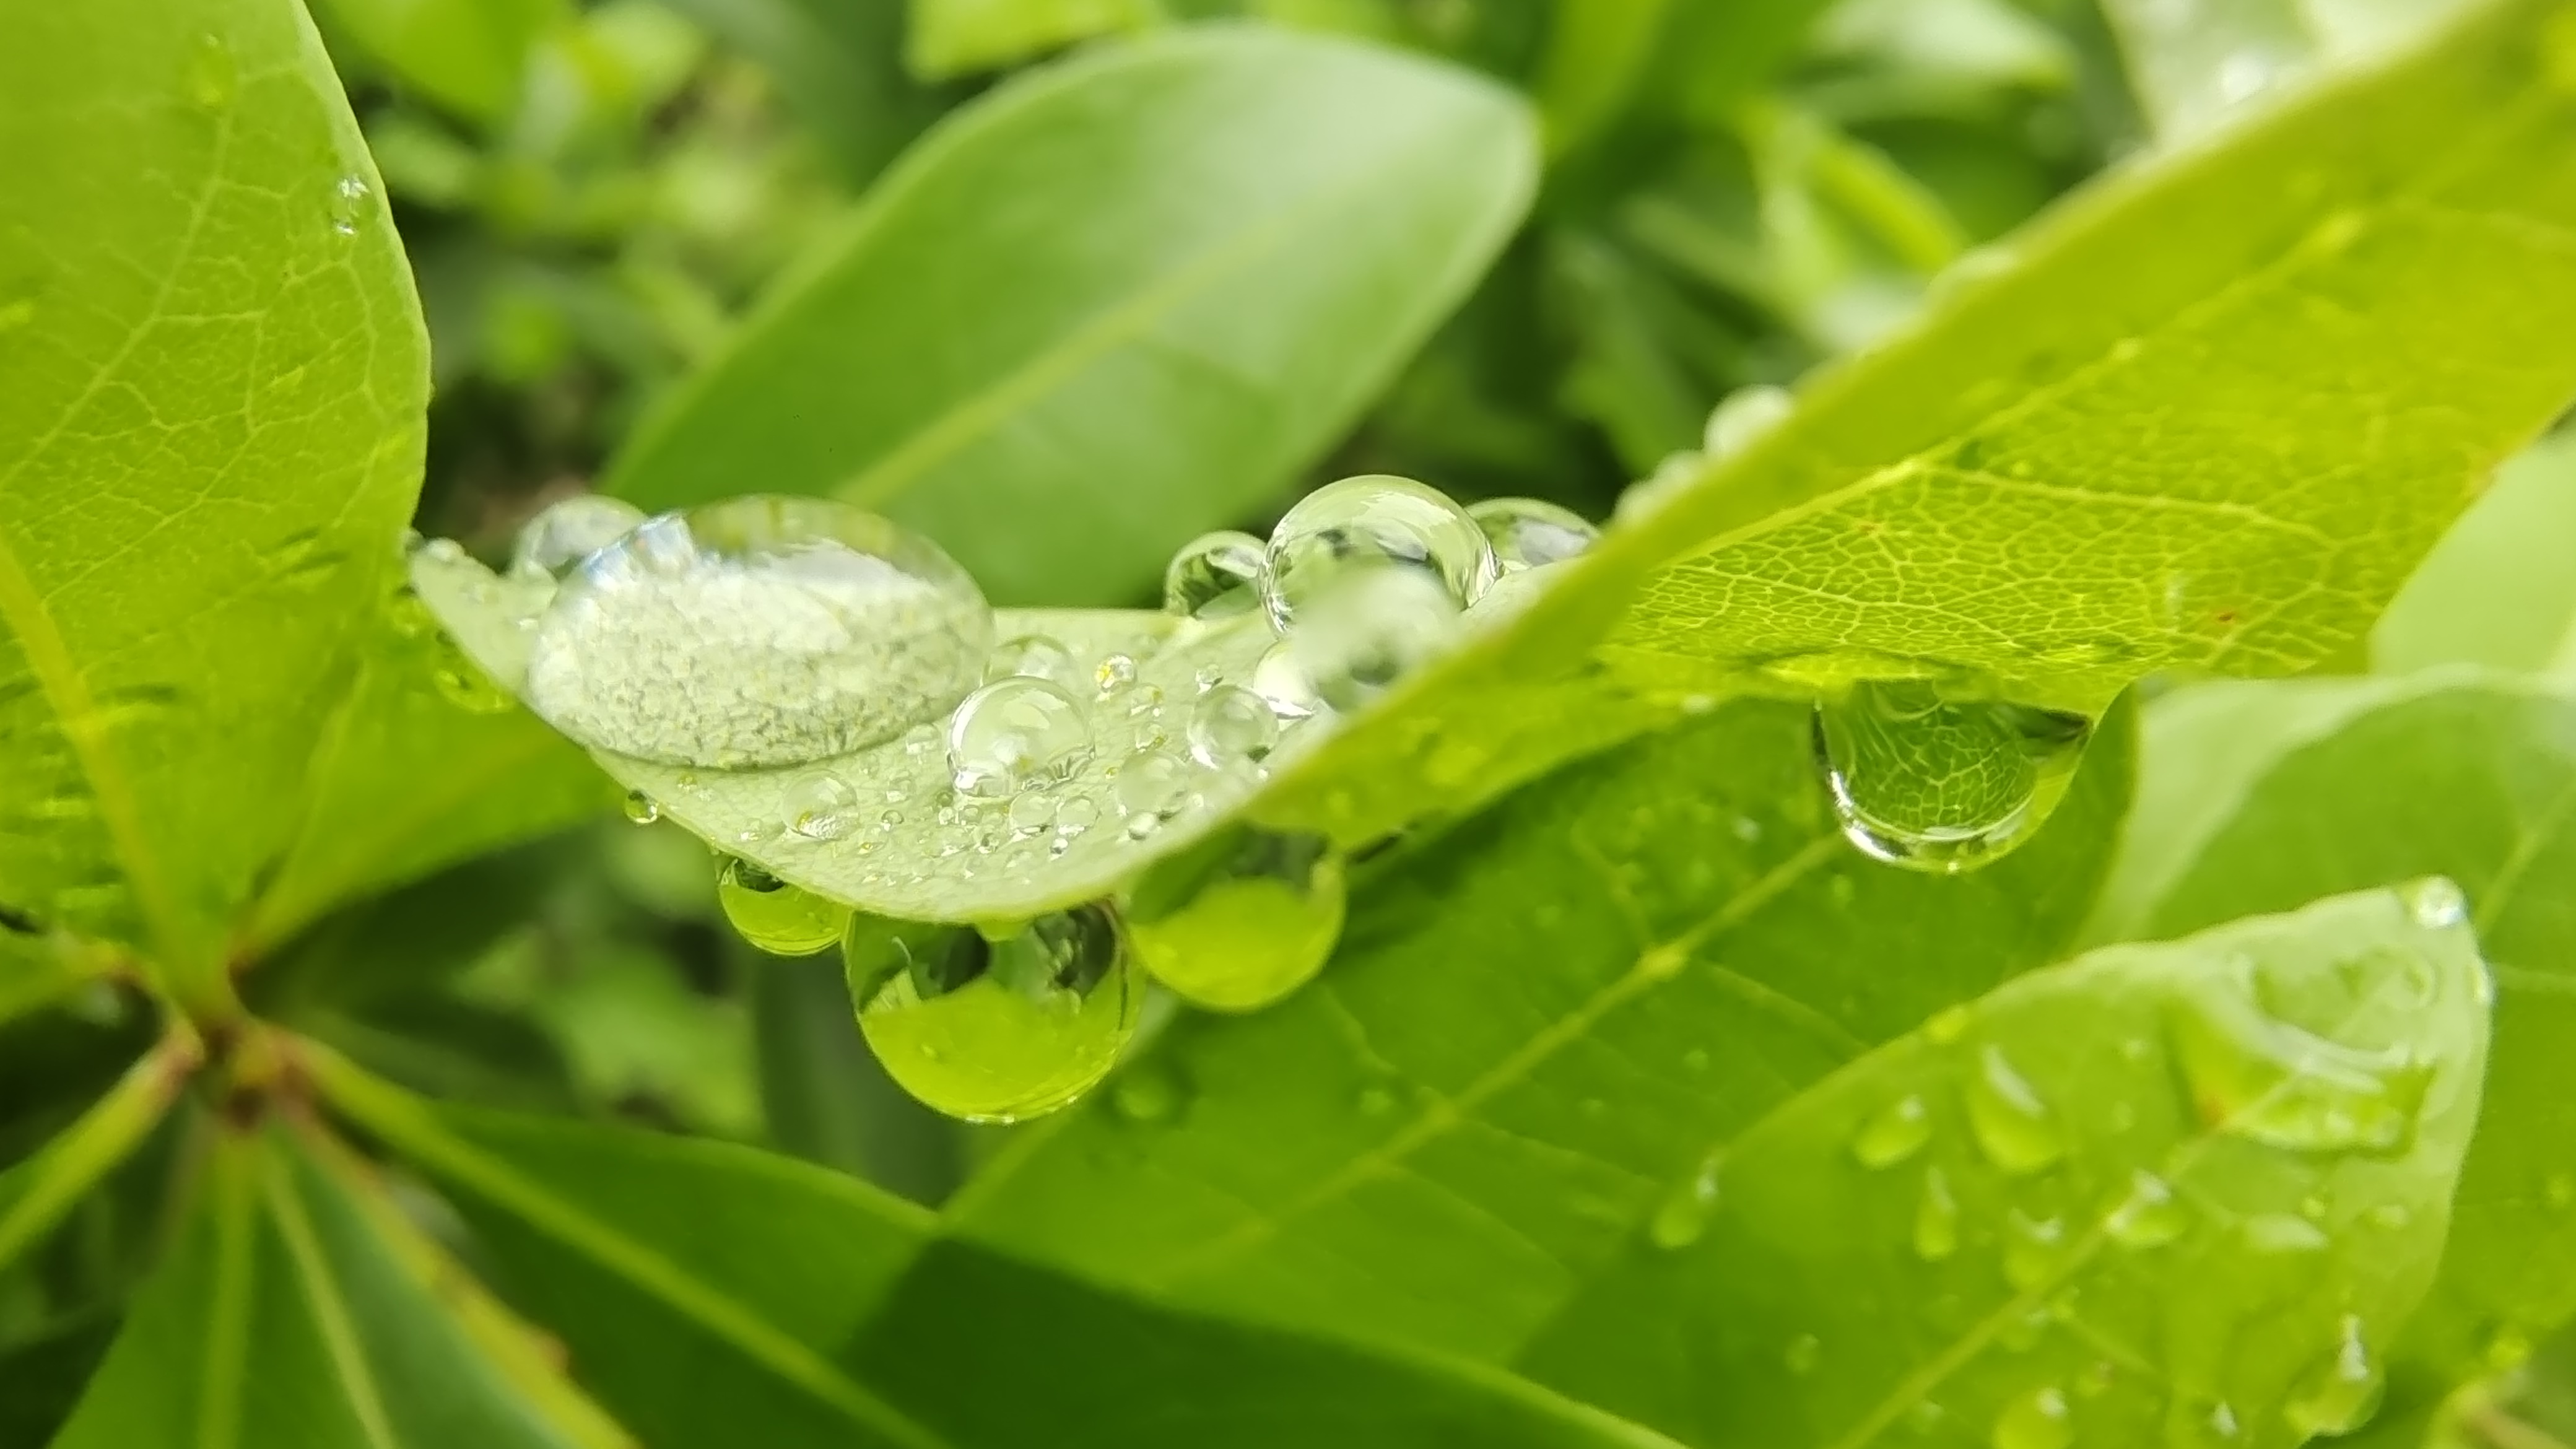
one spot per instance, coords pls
(2189, 1069)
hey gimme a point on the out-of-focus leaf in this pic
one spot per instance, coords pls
(2476, 781)
(825, 1098)
(706, 1289)
(282, 1318)
(1666, 59)
(2497, 590)
(211, 381)
(1111, 305)
(2173, 1194)
(1533, 1025)
(2192, 65)
(36, 1193)
(954, 37)
(838, 62)
(467, 55)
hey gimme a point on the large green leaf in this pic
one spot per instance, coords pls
(1112, 305)
(2177, 1194)
(284, 1317)
(1534, 1023)
(709, 1293)
(211, 380)
(2496, 590)
(2476, 781)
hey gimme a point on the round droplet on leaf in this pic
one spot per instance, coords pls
(1038, 656)
(1282, 684)
(821, 806)
(1015, 733)
(1232, 726)
(1214, 576)
(556, 541)
(1357, 639)
(1240, 919)
(995, 1026)
(1942, 785)
(1374, 524)
(758, 631)
(1528, 533)
(779, 918)
(641, 808)
(1151, 783)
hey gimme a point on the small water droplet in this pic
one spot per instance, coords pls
(1893, 1133)
(2281, 1235)
(1240, 920)
(2388, 1216)
(1923, 1416)
(2437, 904)
(774, 916)
(1032, 811)
(2032, 1248)
(461, 681)
(348, 204)
(1151, 784)
(2012, 1125)
(212, 76)
(1803, 1354)
(2036, 1420)
(1146, 1092)
(820, 806)
(1114, 673)
(1214, 576)
(1940, 785)
(1948, 1025)
(641, 808)
(2340, 1394)
(1936, 1218)
(1527, 533)
(1682, 1217)
(1376, 524)
(1282, 684)
(2508, 1348)
(1077, 814)
(1015, 733)
(1745, 416)
(2149, 1217)
(1035, 656)
(1230, 726)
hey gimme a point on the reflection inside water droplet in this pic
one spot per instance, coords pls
(556, 541)
(1942, 785)
(2012, 1126)
(1214, 576)
(1241, 919)
(1016, 733)
(1369, 525)
(1528, 533)
(777, 917)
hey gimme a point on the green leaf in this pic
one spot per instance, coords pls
(2176, 1193)
(1112, 305)
(36, 1193)
(283, 1318)
(705, 1289)
(2475, 780)
(2192, 67)
(1534, 1023)
(836, 62)
(1664, 58)
(467, 55)
(956, 37)
(211, 381)
(2496, 590)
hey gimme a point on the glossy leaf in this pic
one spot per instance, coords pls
(2476, 781)
(704, 1288)
(1534, 1023)
(1111, 305)
(2496, 590)
(211, 381)
(2176, 1194)
(283, 1317)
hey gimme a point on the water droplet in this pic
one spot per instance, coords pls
(1372, 525)
(1947, 1025)
(1032, 811)
(348, 204)
(2437, 904)
(1528, 534)
(1214, 576)
(757, 631)
(2036, 1420)
(2032, 1248)
(1894, 1133)
(1231, 726)
(2340, 1394)
(774, 916)
(2255, 1075)
(555, 542)
(461, 681)
(1015, 733)
(1151, 784)
(212, 77)
(1240, 920)
(1146, 1092)
(1114, 673)
(1936, 1218)
(820, 806)
(1941, 785)
(2388, 1216)
(2281, 1235)
(1803, 1354)
(1035, 656)
(2149, 1217)
(999, 1027)
(1682, 1217)
(641, 808)
(2013, 1127)
(1358, 638)
(1743, 416)
(1282, 684)
(1076, 814)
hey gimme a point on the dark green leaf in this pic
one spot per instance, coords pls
(838, 62)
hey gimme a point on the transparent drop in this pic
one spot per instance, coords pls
(1374, 524)
(994, 1027)
(1893, 1133)
(2032, 1248)
(1036, 656)
(2149, 1217)
(460, 681)
(2036, 1420)
(1240, 920)
(557, 540)
(779, 918)
(2437, 904)
(641, 808)
(1114, 673)
(1282, 683)
(348, 204)
(1015, 733)
(1214, 576)
(1031, 811)
(1941, 785)
(2012, 1126)
(212, 75)
(1358, 639)
(1526, 533)
(757, 631)
(1936, 1218)
(1743, 416)
(821, 806)
(2253, 1074)
(1146, 1092)
(1681, 1219)
(1151, 784)
(2340, 1394)
(1231, 726)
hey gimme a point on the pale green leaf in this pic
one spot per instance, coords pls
(211, 381)
(1535, 1022)
(467, 55)
(2497, 590)
(2478, 782)
(709, 1293)
(2163, 1194)
(1111, 305)
(954, 37)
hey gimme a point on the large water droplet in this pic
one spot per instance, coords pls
(1231, 726)
(1015, 733)
(1941, 785)
(1355, 641)
(1215, 576)
(1527, 533)
(1282, 683)
(779, 918)
(2012, 1126)
(1893, 1133)
(757, 631)
(1936, 1218)
(2254, 1074)
(2340, 1394)
(556, 541)
(1151, 784)
(2149, 1217)
(1239, 920)
(998, 1027)
(2036, 1420)
(1743, 416)
(1374, 524)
